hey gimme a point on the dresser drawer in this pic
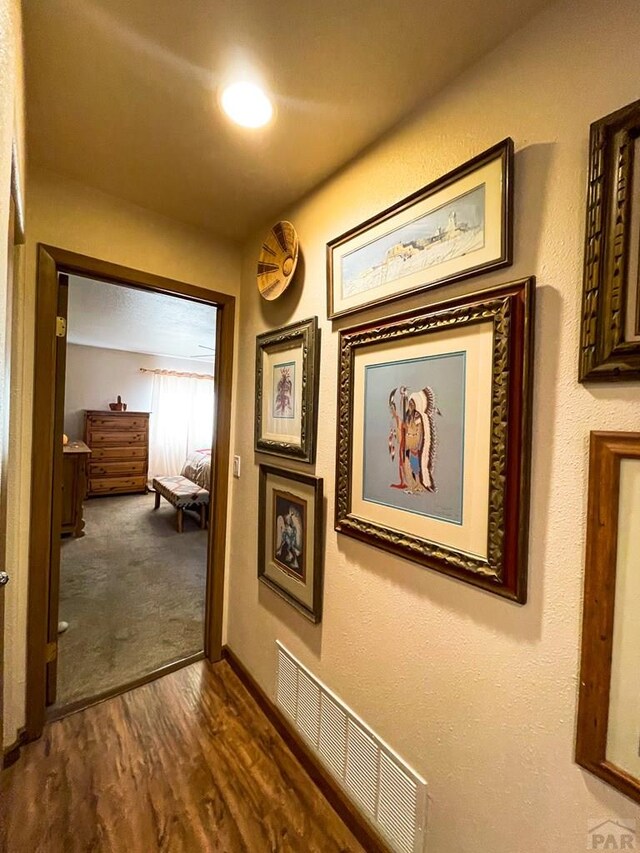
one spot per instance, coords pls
(106, 485)
(119, 442)
(114, 469)
(115, 437)
(118, 422)
(120, 453)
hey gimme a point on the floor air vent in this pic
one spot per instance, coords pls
(388, 792)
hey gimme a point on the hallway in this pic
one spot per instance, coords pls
(185, 764)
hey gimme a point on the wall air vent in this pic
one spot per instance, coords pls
(308, 716)
(388, 792)
(361, 777)
(287, 697)
(333, 735)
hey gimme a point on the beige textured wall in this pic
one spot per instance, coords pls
(11, 102)
(478, 694)
(95, 376)
(69, 215)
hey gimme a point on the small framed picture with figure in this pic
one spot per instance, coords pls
(290, 526)
(287, 390)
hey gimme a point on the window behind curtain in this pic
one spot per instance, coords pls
(181, 421)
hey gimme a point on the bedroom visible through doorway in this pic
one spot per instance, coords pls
(139, 413)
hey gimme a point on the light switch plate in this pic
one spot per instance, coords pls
(236, 467)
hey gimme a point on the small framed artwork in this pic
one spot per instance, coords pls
(287, 375)
(608, 732)
(456, 227)
(290, 531)
(610, 333)
(433, 436)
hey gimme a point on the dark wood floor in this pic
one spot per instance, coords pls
(185, 764)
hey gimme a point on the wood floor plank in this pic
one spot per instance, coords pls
(185, 764)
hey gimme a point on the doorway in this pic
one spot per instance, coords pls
(139, 408)
(130, 497)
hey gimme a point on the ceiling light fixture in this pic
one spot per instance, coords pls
(246, 104)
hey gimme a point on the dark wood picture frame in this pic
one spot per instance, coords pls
(313, 613)
(610, 250)
(510, 309)
(607, 449)
(503, 151)
(306, 335)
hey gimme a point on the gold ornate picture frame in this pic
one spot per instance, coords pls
(434, 436)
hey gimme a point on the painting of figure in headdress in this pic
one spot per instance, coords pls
(284, 390)
(414, 435)
(413, 438)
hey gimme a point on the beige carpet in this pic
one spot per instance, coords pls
(132, 590)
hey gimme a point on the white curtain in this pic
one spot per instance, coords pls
(181, 421)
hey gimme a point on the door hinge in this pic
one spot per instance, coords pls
(51, 651)
(61, 327)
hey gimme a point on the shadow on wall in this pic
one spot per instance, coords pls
(305, 630)
(74, 423)
(532, 165)
(281, 311)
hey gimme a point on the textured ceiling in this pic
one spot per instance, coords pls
(121, 94)
(115, 317)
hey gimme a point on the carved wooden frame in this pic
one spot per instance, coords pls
(510, 308)
(605, 354)
(607, 449)
(307, 335)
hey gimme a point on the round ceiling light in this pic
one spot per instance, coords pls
(246, 104)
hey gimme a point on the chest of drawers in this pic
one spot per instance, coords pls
(119, 443)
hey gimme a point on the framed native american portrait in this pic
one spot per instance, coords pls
(610, 334)
(287, 372)
(290, 528)
(456, 227)
(434, 435)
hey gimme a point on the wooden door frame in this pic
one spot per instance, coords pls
(52, 261)
(15, 238)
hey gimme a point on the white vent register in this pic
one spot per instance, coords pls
(388, 792)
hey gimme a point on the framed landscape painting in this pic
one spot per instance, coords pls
(434, 434)
(610, 339)
(290, 525)
(287, 390)
(458, 226)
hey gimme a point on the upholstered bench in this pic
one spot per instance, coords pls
(181, 493)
